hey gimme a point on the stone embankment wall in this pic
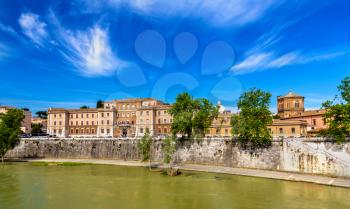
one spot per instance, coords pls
(316, 156)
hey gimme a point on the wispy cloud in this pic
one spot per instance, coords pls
(90, 51)
(270, 60)
(33, 27)
(218, 12)
(7, 29)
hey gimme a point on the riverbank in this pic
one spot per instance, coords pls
(288, 176)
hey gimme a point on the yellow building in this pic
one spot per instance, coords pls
(288, 128)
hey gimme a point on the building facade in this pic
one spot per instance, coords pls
(136, 117)
(288, 128)
(291, 107)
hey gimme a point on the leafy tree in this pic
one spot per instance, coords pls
(37, 129)
(337, 115)
(10, 130)
(144, 145)
(42, 114)
(168, 149)
(84, 107)
(250, 125)
(99, 104)
(192, 115)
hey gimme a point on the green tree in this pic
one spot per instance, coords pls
(10, 130)
(168, 149)
(192, 116)
(250, 125)
(337, 115)
(37, 129)
(99, 104)
(84, 107)
(144, 145)
(42, 114)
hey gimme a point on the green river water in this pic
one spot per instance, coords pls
(28, 186)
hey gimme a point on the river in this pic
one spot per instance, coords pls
(31, 186)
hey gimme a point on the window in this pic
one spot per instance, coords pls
(60, 131)
(158, 112)
(159, 121)
(82, 115)
(281, 130)
(54, 123)
(71, 123)
(60, 115)
(159, 130)
(76, 122)
(107, 122)
(147, 130)
(269, 130)
(164, 120)
(107, 114)
(226, 131)
(107, 130)
(54, 131)
(87, 115)
(293, 130)
(82, 123)
(76, 131)
(92, 131)
(87, 123)
(71, 116)
(82, 131)
(147, 112)
(54, 115)
(72, 131)
(101, 122)
(102, 115)
(102, 131)
(92, 115)
(165, 130)
(141, 130)
(93, 123)
(60, 123)
(297, 105)
(314, 122)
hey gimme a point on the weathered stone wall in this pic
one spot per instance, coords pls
(316, 156)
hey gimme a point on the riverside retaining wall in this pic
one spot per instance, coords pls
(315, 156)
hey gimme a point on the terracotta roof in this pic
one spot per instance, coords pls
(308, 113)
(288, 122)
(291, 94)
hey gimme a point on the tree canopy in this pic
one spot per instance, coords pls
(192, 116)
(337, 115)
(99, 104)
(250, 125)
(10, 129)
(84, 107)
(42, 114)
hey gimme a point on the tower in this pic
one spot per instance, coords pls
(289, 105)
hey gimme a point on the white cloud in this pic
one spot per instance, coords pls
(217, 12)
(33, 28)
(7, 29)
(90, 51)
(269, 60)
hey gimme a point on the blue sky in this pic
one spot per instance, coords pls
(72, 53)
